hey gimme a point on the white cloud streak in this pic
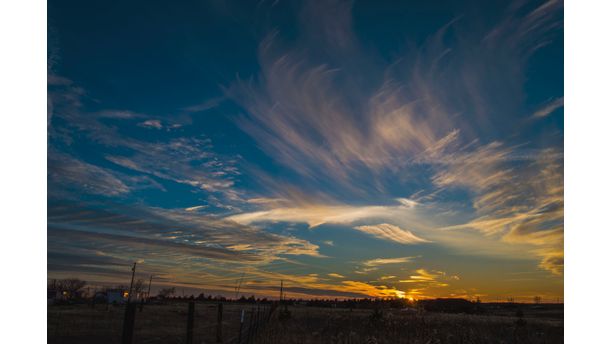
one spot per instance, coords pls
(549, 108)
(387, 261)
(393, 233)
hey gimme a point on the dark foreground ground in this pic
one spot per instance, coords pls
(168, 324)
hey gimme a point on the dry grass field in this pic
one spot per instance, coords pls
(308, 325)
(167, 324)
(155, 324)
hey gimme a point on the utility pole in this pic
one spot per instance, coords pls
(149, 290)
(238, 285)
(280, 298)
(131, 283)
(130, 312)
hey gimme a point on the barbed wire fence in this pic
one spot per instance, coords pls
(173, 322)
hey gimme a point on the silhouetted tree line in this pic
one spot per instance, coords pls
(70, 288)
(168, 294)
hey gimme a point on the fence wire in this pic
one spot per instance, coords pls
(159, 323)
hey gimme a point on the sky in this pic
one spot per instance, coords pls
(348, 148)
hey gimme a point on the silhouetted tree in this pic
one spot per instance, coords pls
(138, 286)
(167, 292)
(69, 287)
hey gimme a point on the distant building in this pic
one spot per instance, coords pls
(111, 296)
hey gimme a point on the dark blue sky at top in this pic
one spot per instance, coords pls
(183, 66)
(158, 58)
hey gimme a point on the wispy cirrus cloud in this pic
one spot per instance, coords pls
(151, 123)
(204, 106)
(178, 246)
(188, 160)
(335, 275)
(310, 116)
(70, 177)
(69, 172)
(316, 214)
(393, 233)
(424, 278)
(548, 108)
(180, 231)
(526, 208)
(428, 116)
(195, 208)
(387, 261)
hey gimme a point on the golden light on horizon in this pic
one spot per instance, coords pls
(400, 294)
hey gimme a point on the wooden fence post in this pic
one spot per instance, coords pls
(128, 323)
(251, 325)
(219, 322)
(240, 329)
(257, 319)
(190, 314)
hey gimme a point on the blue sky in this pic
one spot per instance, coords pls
(348, 148)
